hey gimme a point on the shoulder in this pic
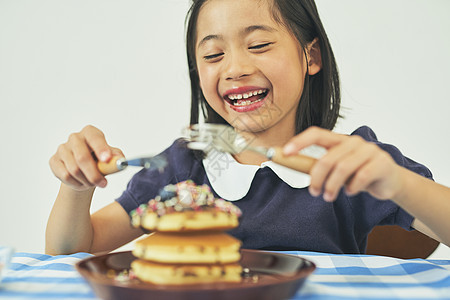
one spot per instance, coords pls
(180, 156)
(182, 164)
(369, 135)
(366, 133)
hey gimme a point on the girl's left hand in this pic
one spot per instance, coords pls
(351, 162)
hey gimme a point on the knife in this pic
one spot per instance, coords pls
(119, 163)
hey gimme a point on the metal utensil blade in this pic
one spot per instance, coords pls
(208, 137)
(151, 162)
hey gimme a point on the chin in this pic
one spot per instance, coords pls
(248, 123)
(256, 121)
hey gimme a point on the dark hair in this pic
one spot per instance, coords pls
(320, 101)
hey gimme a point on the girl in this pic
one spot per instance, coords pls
(266, 68)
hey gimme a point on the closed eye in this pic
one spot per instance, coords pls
(212, 56)
(259, 46)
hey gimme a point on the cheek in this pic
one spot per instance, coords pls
(209, 84)
(288, 76)
(205, 77)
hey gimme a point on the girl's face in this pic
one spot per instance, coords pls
(251, 68)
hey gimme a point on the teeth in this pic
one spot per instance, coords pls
(245, 95)
(243, 103)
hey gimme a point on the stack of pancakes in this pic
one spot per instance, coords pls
(188, 244)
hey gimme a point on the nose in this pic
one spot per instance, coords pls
(237, 66)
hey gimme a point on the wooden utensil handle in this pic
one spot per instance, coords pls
(109, 167)
(299, 162)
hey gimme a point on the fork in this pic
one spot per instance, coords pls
(206, 137)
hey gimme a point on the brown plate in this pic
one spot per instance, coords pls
(270, 276)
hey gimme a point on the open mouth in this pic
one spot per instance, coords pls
(247, 98)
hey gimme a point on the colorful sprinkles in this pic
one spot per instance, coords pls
(185, 196)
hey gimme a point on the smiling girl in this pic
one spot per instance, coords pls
(266, 68)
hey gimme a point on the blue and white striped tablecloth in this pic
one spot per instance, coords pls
(38, 276)
(375, 277)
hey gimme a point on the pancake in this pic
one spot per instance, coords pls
(188, 244)
(186, 207)
(172, 274)
(208, 219)
(188, 248)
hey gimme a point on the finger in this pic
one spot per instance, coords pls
(345, 169)
(372, 177)
(74, 175)
(325, 166)
(360, 181)
(312, 136)
(84, 166)
(95, 139)
(117, 152)
(71, 165)
(60, 171)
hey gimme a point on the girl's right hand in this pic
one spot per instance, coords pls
(75, 162)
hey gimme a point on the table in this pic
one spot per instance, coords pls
(39, 276)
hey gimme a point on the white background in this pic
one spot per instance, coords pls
(121, 66)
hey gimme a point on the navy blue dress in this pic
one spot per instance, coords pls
(277, 216)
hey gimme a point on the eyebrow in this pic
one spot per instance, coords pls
(245, 31)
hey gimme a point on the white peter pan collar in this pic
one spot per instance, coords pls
(231, 180)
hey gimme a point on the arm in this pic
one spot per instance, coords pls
(429, 202)
(70, 227)
(357, 165)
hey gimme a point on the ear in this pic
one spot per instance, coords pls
(314, 57)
